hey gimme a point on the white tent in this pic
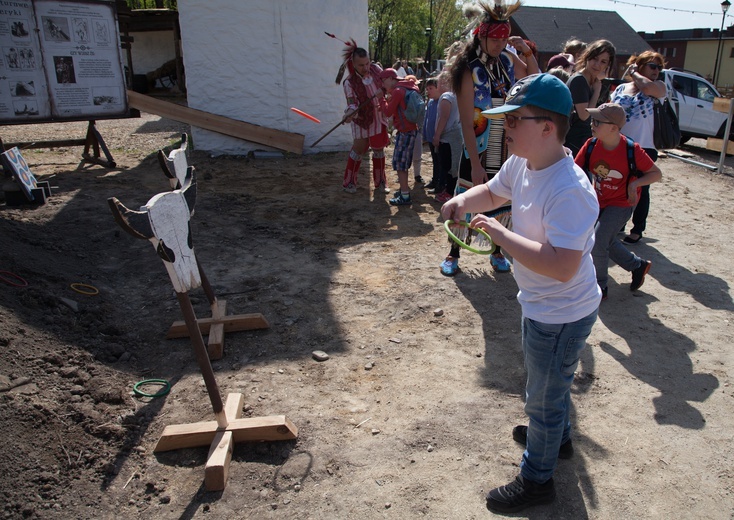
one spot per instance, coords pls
(252, 60)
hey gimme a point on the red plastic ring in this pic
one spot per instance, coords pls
(11, 282)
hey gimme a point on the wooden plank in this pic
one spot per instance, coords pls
(712, 143)
(288, 141)
(271, 428)
(233, 323)
(46, 144)
(722, 104)
(216, 471)
(233, 406)
(215, 344)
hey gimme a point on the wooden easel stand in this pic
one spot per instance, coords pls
(93, 141)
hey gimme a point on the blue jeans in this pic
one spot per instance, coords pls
(607, 245)
(551, 357)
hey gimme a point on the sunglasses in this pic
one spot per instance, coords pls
(654, 66)
(512, 120)
(596, 122)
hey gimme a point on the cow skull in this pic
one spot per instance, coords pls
(164, 220)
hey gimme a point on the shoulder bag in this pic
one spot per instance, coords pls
(667, 132)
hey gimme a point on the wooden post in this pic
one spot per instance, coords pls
(722, 105)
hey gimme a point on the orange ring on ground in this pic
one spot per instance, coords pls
(83, 288)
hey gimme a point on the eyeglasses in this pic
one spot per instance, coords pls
(512, 120)
(596, 122)
(654, 66)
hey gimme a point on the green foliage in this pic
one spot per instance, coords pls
(398, 29)
(152, 4)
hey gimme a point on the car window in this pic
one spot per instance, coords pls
(704, 92)
(684, 85)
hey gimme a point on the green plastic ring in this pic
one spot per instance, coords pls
(448, 223)
(163, 391)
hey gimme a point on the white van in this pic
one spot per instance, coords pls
(693, 99)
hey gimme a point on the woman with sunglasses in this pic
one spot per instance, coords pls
(637, 97)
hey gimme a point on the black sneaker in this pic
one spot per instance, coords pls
(519, 494)
(430, 185)
(638, 275)
(604, 293)
(520, 435)
(419, 179)
(401, 201)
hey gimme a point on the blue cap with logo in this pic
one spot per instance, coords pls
(541, 90)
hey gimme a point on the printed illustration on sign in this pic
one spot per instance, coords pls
(55, 29)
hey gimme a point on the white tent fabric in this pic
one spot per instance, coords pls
(253, 60)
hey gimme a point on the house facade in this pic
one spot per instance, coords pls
(695, 50)
(550, 27)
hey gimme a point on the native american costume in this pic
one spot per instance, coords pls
(370, 123)
(492, 78)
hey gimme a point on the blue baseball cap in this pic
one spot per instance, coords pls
(541, 90)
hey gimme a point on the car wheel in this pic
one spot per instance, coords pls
(720, 133)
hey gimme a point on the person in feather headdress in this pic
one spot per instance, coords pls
(363, 90)
(482, 74)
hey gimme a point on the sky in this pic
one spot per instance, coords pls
(653, 15)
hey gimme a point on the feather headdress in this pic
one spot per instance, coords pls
(347, 55)
(483, 12)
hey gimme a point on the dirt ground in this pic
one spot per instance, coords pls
(410, 417)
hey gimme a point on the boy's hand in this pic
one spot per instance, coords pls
(488, 224)
(436, 142)
(632, 193)
(454, 209)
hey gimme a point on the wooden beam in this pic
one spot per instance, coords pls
(233, 406)
(288, 141)
(47, 144)
(216, 472)
(712, 143)
(271, 428)
(215, 343)
(722, 104)
(232, 323)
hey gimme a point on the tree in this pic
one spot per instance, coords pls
(398, 28)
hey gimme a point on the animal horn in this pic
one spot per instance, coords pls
(189, 188)
(165, 165)
(134, 222)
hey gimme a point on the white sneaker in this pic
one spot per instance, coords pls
(350, 188)
(383, 188)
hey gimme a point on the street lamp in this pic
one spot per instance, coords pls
(429, 31)
(428, 54)
(717, 64)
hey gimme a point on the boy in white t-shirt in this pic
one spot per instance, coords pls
(554, 209)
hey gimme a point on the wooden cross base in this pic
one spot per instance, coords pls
(216, 327)
(221, 441)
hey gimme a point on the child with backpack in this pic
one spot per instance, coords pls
(405, 105)
(619, 168)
